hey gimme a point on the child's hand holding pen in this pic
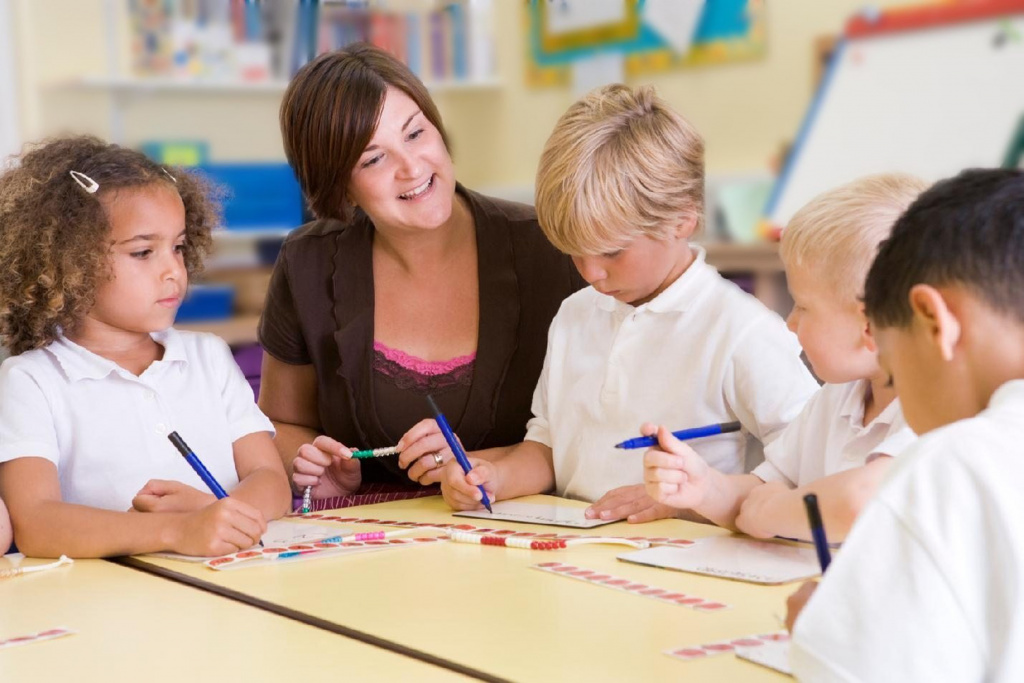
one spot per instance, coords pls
(795, 602)
(326, 465)
(226, 526)
(673, 472)
(462, 491)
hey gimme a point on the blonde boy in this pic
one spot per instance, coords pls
(842, 443)
(659, 333)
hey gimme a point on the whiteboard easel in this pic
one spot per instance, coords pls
(926, 90)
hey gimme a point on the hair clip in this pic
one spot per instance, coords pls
(167, 173)
(86, 183)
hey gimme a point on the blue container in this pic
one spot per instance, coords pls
(260, 196)
(204, 303)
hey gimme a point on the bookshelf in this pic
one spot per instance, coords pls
(135, 85)
(239, 49)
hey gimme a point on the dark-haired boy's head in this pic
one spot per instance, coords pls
(967, 231)
(945, 296)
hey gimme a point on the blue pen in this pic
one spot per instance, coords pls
(199, 467)
(683, 435)
(456, 447)
(817, 531)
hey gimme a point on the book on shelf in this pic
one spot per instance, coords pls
(243, 40)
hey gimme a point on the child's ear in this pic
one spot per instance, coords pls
(685, 228)
(938, 321)
(866, 337)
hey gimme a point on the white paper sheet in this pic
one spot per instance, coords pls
(772, 655)
(279, 532)
(674, 20)
(733, 557)
(537, 513)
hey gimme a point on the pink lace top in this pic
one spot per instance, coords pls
(400, 382)
(422, 376)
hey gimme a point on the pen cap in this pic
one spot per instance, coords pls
(433, 406)
(813, 512)
(179, 443)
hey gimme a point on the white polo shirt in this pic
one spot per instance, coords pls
(929, 586)
(106, 429)
(703, 351)
(830, 436)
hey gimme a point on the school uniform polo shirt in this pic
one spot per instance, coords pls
(703, 351)
(106, 429)
(929, 585)
(830, 436)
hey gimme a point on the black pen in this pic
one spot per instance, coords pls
(817, 531)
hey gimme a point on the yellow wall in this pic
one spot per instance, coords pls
(745, 110)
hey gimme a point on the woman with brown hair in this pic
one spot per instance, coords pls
(407, 284)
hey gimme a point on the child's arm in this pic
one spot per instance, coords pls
(773, 509)
(507, 472)
(48, 527)
(260, 472)
(675, 475)
(262, 482)
(6, 533)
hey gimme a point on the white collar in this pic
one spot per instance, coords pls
(1007, 394)
(853, 406)
(677, 297)
(80, 363)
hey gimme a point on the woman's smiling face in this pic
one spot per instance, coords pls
(404, 179)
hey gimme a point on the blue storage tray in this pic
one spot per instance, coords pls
(205, 303)
(260, 195)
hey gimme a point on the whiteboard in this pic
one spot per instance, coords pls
(928, 101)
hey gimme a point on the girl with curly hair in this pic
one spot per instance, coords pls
(98, 243)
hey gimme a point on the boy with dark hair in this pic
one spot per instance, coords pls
(928, 586)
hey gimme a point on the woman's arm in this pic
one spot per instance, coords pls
(288, 396)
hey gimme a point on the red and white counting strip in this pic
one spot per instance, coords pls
(726, 646)
(537, 543)
(608, 581)
(49, 634)
(660, 540)
(318, 548)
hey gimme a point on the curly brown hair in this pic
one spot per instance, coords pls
(54, 234)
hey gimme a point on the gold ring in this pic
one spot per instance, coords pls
(438, 460)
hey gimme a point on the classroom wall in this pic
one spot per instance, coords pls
(745, 110)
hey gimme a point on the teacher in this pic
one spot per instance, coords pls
(407, 284)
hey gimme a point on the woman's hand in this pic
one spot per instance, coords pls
(424, 452)
(327, 466)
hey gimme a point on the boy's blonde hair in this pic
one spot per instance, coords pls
(620, 163)
(836, 235)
